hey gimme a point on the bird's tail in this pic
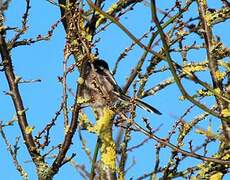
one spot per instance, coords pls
(141, 104)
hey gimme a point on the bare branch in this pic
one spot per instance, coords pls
(13, 153)
(16, 98)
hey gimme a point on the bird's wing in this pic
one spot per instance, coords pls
(112, 81)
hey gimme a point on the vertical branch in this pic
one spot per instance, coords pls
(65, 96)
(72, 31)
(103, 128)
(71, 129)
(24, 23)
(21, 111)
(16, 97)
(213, 66)
(93, 166)
(124, 155)
(59, 161)
(63, 6)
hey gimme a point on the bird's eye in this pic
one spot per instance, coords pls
(100, 68)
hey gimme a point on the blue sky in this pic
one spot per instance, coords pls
(44, 61)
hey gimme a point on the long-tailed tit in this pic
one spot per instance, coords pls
(101, 89)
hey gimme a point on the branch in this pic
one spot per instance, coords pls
(17, 100)
(218, 16)
(24, 23)
(213, 66)
(13, 154)
(123, 28)
(58, 162)
(177, 149)
(46, 130)
(172, 68)
(93, 166)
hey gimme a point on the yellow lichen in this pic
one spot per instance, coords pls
(216, 176)
(112, 8)
(204, 92)
(217, 90)
(207, 133)
(82, 118)
(66, 129)
(88, 37)
(84, 122)
(108, 154)
(217, 16)
(225, 112)
(82, 100)
(103, 128)
(219, 75)
(226, 157)
(102, 17)
(100, 20)
(29, 129)
(208, 17)
(121, 175)
(104, 122)
(80, 80)
(203, 169)
(193, 68)
(182, 32)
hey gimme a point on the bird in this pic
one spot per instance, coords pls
(102, 90)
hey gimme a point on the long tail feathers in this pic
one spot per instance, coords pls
(141, 104)
(147, 107)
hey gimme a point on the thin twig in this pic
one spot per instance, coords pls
(13, 153)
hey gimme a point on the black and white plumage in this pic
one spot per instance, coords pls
(102, 90)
